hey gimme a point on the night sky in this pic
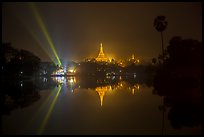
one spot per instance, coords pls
(77, 29)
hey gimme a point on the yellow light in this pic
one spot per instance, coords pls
(101, 56)
(44, 30)
(138, 86)
(71, 70)
(72, 80)
(133, 91)
(59, 79)
(133, 57)
(101, 91)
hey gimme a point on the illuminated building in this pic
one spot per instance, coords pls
(59, 71)
(101, 56)
(71, 71)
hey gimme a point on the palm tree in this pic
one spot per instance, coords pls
(160, 25)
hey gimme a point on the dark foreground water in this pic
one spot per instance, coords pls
(87, 106)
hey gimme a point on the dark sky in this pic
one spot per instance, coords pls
(77, 29)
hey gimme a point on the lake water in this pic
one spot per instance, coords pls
(74, 105)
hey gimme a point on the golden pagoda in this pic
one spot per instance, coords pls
(101, 55)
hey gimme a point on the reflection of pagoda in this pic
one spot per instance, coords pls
(101, 55)
(101, 91)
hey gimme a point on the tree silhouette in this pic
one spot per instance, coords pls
(160, 25)
(18, 61)
(178, 81)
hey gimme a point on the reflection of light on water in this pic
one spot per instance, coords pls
(110, 88)
(44, 79)
(59, 79)
(134, 75)
(62, 80)
(108, 77)
(135, 87)
(59, 72)
(21, 84)
(47, 116)
(125, 85)
(101, 91)
(43, 106)
(133, 91)
(71, 84)
(72, 80)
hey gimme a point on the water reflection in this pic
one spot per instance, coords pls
(101, 86)
(116, 105)
(47, 116)
(18, 94)
(182, 97)
(101, 92)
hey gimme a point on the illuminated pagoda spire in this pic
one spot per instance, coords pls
(101, 55)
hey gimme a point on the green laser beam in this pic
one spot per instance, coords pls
(52, 58)
(28, 28)
(44, 30)
(49, 111)
(39, 42)
(43, 106)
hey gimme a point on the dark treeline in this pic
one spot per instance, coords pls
(103, 69)
(178, 81)
(18, 63)
(18, 88)
(21, 64)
